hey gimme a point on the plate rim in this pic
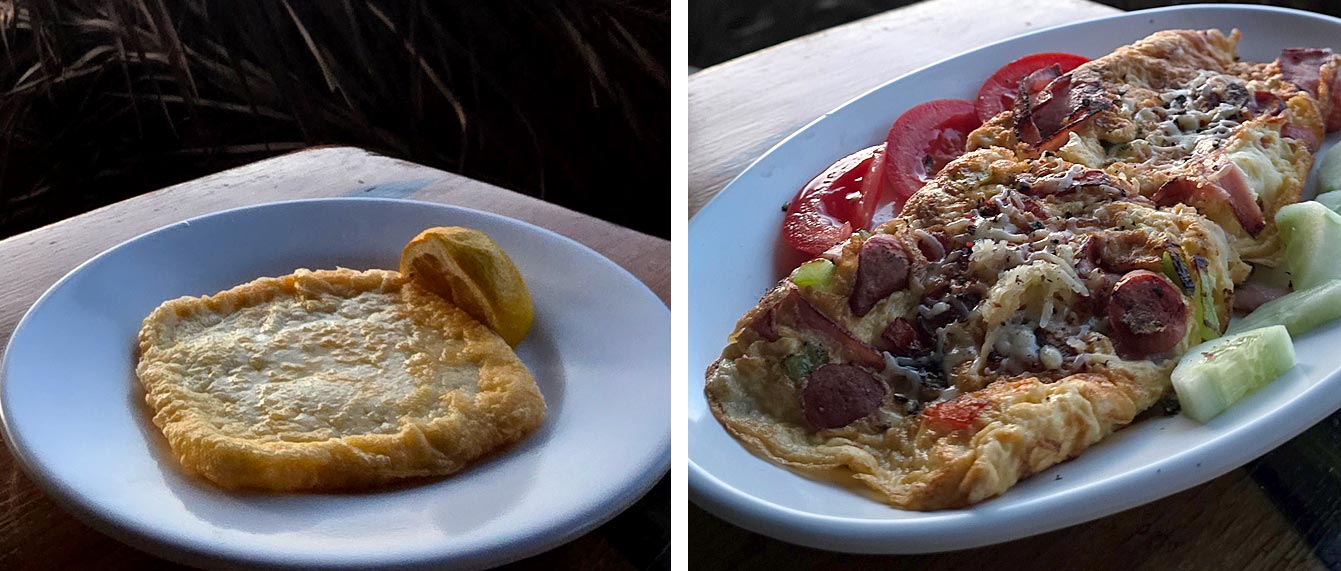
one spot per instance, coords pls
(639, 482)
(928, 534)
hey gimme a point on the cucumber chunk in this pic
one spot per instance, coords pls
(1312, 235)
(1299, 312)
(1214, 375)
(1329, 170)
(1331, 200)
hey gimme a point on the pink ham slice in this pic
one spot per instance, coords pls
(1249, 296)
(1215, 179)
(1315, 70)
(796, 312)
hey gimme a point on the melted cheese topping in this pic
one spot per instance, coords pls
(1195, 118)
(1261, 154)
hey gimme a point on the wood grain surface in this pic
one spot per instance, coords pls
(35, 533)
(1224, 524)
(741, 108)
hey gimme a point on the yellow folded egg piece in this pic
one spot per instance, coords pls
(331, 379)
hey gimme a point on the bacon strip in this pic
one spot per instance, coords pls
(1303, 66)
(1045, 117)
(795, 311)
(1315, 70)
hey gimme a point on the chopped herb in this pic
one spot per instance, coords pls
(801, 365)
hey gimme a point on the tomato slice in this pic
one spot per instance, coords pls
(956, 414)
(835, 203)
(920, 143)
(998, 92)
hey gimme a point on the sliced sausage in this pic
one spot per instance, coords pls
(1146, 313)
(882, 269)
(837, 395)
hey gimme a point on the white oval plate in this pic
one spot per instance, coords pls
(75, 419)
(732, 245)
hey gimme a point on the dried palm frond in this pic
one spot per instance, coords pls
(103, 99)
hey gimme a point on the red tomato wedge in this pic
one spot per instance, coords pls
(956, 414)
(998, 92)
(835, 203)
(920, 143)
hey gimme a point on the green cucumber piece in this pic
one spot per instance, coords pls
(1299, 312)
(1207, 317)
(1312, 235)
(1329, 170)
(1215, 375)
(814, 274)
(1331, 200)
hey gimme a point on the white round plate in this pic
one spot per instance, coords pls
(75, 420)
(733, 243)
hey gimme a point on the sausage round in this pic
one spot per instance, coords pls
(882, 269)
(1147, 313)
(837, 394)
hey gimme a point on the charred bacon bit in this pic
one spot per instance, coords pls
(1044, 119)
(882, 269)
(1216, 178)
(1026, 99)
(1266, 103)
(903, 339)
(1038, 80)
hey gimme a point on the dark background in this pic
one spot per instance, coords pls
(101, 100)
(723, 29)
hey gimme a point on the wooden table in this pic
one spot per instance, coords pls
(1279, 512)
(37, 534)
